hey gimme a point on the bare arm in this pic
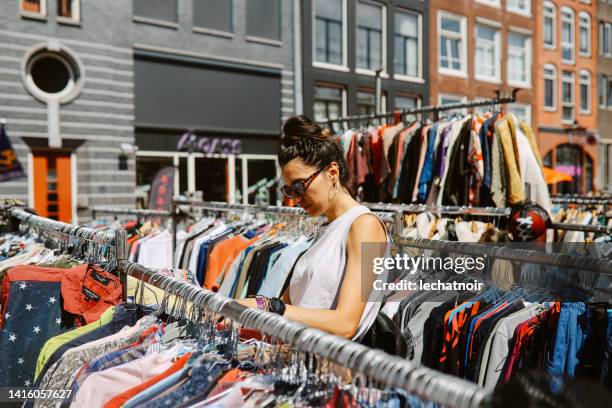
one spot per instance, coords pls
(344, 320)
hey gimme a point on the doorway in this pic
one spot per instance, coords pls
(52, 182)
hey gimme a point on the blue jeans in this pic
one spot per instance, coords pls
(572, 329)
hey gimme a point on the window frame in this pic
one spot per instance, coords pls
(344, 46)
(343, 95)
(528, 111)
(491, 3)
(571, 104)
(403, 77)
(555, 83)
(528, 61)
(383, 39)
(496, 78)
(568, 15)
(137, 18)
(221, 33)
(588, 82)
(42, 15)
(459, 97)
(604, 27)
(76, 13)
(525, 12)
(552, 5)
(463, 57)
(603, 94)
(587, 17)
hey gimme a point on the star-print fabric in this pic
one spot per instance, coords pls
(32, 317)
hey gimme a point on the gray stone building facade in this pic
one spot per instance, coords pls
(604, 87)
(96, 96)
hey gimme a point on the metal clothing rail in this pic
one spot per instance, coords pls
(426, 383)
(598, 229)
(400, 209)
(222, 206)
(435, 109)
(129, 211)
(577, 199)
(116, 239)
(584, 263)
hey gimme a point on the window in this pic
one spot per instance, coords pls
(567, 95)
(519, 59)
(449, 99)
(263, 19)
(603, 88)
(370, 43)
(609, 93)
(68, 10)
(407, 56)
(567, 35)
(156, 10)
(585, 92)
(487, 56)
(452, 44)
(366, 102)
(407, 102)
(215, 15)
(550, 87)
(550, 25)
(34, 7)
(605, 39)
(328, 103)
(522, 111)
(329, 31)
(585, 34)
(519, 6)
(492, 3)
(572, 160)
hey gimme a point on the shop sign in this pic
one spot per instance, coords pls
(209, 145)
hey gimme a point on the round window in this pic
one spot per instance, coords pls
(52, 73)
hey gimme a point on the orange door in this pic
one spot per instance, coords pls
(53, 186)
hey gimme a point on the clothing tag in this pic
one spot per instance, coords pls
(90, 295)
(100, 278)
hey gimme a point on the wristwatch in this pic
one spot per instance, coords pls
(277, 306)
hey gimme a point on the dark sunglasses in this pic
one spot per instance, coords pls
(298, 188)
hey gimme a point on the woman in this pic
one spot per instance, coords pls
(327, 289)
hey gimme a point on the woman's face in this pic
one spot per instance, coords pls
(316, 200)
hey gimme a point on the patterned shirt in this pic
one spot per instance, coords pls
(58, 376)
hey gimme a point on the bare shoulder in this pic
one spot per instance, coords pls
(367, 227)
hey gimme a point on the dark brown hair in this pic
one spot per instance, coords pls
(315, 146)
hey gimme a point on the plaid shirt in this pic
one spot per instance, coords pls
(125, 355)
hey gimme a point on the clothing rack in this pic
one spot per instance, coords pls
(220, 206)
(400, 209)
(598, 229)
(116, 239)
(424, 382)
(142, 213)
(578, 199)
(435, 109)
(585, 263)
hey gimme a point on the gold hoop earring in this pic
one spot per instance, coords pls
(333, 188)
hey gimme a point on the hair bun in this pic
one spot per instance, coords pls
(301, 129)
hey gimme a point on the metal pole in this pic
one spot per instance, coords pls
(121, 255)
(378, 91)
